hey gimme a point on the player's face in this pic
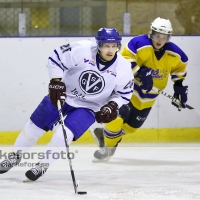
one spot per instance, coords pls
(108, 50)
(159, 40)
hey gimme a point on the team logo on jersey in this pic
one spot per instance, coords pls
(91, 82)
(159, 74)
(139, 118)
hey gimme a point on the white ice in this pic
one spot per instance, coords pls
(135, 172)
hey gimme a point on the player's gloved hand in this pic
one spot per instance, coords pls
(144, 73)
(107, 113)
(124, 111)
(57, 91)
(180, 93)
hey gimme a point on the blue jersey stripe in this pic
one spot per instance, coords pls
(57, 54)
(125, 92)
(52, 60)
(59, 59)
(125, 98)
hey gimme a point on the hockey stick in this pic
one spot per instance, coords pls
(67, 148)
(176, 101)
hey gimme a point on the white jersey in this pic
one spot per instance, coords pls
(87, 84)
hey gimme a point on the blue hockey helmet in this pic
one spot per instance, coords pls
(108, 35)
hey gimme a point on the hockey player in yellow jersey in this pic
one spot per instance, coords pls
(154, 59)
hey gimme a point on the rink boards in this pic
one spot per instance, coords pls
(28, 83)
(141, 135)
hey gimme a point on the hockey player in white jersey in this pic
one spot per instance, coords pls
(92, 81)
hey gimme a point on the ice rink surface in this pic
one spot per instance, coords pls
(135, 172)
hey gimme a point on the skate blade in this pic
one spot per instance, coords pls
(95, 160)
(94, 136)
(26, 180)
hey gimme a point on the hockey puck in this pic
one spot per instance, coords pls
(81, 193)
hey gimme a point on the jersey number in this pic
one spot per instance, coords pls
(129, 84)
(65, 48)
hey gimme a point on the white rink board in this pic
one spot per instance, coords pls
(24, 81)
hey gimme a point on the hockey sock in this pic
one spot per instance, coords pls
(28, 137)
(111, 139)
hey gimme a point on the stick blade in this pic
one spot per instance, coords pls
(81, 193)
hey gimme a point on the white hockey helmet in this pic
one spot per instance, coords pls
(161, 25)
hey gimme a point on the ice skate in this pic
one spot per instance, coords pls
(98, 136)
(13, 160)
(104, 154)
(36, 172)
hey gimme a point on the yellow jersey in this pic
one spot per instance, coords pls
(172, 61)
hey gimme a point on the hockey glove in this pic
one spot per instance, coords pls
(124, 111)
(107, 113)
(180, 93)
(146, 79)
(57, 91)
